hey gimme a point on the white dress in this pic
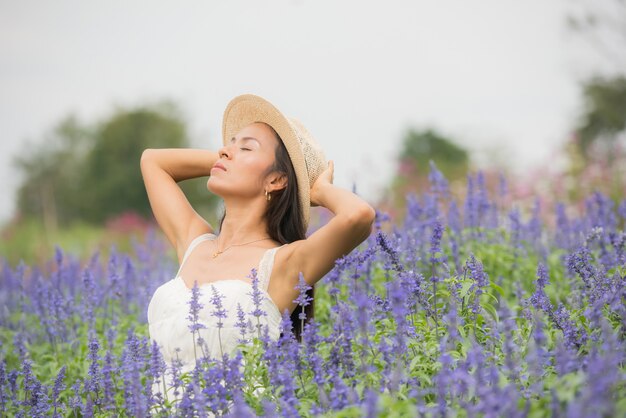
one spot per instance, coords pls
(169, 308)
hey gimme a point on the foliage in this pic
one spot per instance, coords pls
(463, 309)
(83, 173)
(28, 241)
(604, 117)
(419, 147)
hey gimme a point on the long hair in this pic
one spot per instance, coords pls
(285, 221)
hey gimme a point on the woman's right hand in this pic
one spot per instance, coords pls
(161, 170)
(324, 179)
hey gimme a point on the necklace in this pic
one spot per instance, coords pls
(218, 252)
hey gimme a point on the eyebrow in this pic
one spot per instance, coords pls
(246, 138)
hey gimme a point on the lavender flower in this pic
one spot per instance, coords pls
(94, 383)
(219, 312)
(59, 385)
(471, 205)
(241, 324)
(435, 243)
(515, 227)
(438, 182)
(580, 262)
(539, 299)
(622, 211)
(303, 298)
(563, 228)
(257, 298)
(109, 388)
(383, 242)
(482, 199)
(574, 337)
(195, 307)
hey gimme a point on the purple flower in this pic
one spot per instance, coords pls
(599, 210)
(195, 307)
(370, 403)
(455, 237)
(515, 228)
(94, 383)
(563, 231)
(75, 401)
(476, 271)
(622, 210)
(312, 341)
(482, 198)
(242, 324)
(219, 312)
(580, 262)
(257, 298)
(435, 243)
(502, 186)
(438, 182)
(157, 365)
(533, 229)
(240, 408)
(383, 241)
(539, 299)
(471, 205)
(109, 370)
(303, 298)
(90, 299)
(59, 385)
(397, 297)
(574, 337)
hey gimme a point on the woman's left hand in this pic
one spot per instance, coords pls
(325, 179)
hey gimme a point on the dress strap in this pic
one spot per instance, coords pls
(265, 267)
(193, 244)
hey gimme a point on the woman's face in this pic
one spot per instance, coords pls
(245, 161)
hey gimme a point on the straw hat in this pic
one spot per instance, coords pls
(306, 156)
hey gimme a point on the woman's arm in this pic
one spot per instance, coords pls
(161, 170)
(352, 224)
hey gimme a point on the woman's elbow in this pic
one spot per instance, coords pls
(147, 156)
(363, 218)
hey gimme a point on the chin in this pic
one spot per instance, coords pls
(217, 189)
(210, 187)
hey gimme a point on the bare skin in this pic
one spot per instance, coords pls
(242, 185)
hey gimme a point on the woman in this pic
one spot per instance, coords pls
(269, 172)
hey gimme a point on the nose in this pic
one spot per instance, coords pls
(224, 152)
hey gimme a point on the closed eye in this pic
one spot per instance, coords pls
(245, 149)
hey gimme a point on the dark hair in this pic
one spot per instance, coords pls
(285, 220)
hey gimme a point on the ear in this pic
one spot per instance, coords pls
(276, 181)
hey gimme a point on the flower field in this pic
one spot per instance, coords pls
(463, 309)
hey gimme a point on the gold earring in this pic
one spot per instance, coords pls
(268, 196)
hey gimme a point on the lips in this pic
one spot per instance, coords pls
(218, 166)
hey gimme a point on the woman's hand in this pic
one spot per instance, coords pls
(352, 224)
(325, 179)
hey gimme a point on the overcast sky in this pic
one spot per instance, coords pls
(499, 76)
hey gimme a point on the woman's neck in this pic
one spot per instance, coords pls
(242, 224)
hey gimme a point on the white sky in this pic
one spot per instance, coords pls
(500, 76)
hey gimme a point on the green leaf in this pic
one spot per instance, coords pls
(491, 310)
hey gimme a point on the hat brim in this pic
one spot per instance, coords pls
(249, 108)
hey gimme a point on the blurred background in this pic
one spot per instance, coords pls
(533, 91)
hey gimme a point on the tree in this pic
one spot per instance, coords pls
(50, 171)
(603, 120)
(604, 117)
(419, 148)
(92, 173)
(600, 132)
